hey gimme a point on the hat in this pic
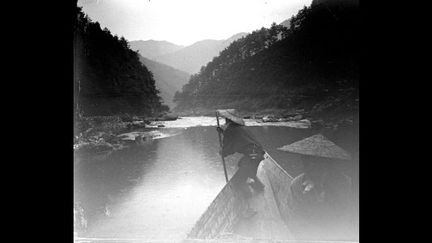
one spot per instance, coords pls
(232, 115)
(317, 145)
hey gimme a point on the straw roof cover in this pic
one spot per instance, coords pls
(232, 115)
(317, 145)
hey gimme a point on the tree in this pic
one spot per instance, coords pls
(111, 78)
(278, 66)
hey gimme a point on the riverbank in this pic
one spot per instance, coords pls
(327, 109)
(101, 134)
(310, 119)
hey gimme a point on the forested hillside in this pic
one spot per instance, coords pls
(109, 78)
(313, 65)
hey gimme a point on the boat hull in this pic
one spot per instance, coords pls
(223, 214)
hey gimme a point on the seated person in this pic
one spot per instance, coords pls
(320, 198)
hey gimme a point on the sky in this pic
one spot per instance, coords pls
(184, 22)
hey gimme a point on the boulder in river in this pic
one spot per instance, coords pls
(168, 117)
(297, 117)
(306, 122)
(269, 118)
(136, 124)
(139, 139)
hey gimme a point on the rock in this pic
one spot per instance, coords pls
(269, 118)
(136, 124)
(306, 122)
(139, 139)
(297, 117)
(95, 147)
(168, 117)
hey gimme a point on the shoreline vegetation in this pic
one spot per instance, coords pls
(103, 134)
(100, 134)
(308, 68)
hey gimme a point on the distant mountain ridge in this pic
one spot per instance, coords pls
(193, 57)
(153, 48)
(286, 23)
(188, 59)
(168, 80)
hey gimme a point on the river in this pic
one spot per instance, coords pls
(158, 190)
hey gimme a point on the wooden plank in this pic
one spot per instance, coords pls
(222, 218)
(267, 223)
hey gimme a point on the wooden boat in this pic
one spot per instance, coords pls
(222, 220)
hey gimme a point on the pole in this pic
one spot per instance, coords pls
(220, 143)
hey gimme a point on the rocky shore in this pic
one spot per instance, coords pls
(313, 119)
(337, 108)
(104, 134)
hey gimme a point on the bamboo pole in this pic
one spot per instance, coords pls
(220, 143)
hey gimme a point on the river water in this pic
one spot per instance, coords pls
(159, 189)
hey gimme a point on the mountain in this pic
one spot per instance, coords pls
(233, 38)
(191, 58)
(312, 66)
(286, 23)
(168, 79)
(109, 79)
(152, 48)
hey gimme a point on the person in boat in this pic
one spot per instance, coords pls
(236, 138)
(320, 199)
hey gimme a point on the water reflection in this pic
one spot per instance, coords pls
(158, 190)
(169, 180)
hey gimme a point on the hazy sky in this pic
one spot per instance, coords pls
(184, 22)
